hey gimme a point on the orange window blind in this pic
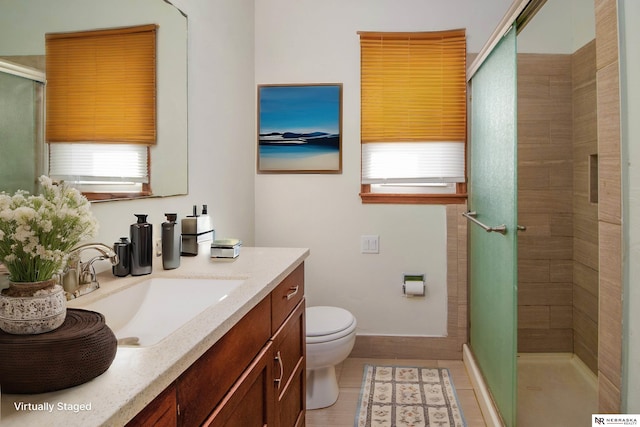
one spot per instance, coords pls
(101, 86)
(413, 86)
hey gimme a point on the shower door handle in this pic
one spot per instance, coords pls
(471, 216)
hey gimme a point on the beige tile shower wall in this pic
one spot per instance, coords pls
(545, 250)
(585, 208)
(609, 208)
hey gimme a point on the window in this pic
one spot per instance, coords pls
(413, 117)
(101, 109)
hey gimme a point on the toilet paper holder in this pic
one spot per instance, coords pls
(413, 285)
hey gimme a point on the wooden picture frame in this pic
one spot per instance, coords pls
(299, 128)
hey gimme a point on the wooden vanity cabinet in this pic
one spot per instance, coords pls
(203, 386)
(287, 348)
(289, 338)
(254, 376)
(161, 412)
(286, 296)
(250, 401)
(289, 372)
(271, 392)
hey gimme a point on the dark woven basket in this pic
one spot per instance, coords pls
(78, 351)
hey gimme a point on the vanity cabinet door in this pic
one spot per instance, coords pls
(203, 386)
(250, 402)
(161, 412)
(289, 348)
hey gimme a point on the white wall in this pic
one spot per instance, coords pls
(302, 41)
(561, 26)
(221, 127)
(630, 91)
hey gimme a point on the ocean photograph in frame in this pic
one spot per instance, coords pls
(300, 128)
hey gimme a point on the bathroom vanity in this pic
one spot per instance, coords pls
(262, 355)
(240, 362)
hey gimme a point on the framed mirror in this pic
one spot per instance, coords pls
(23, 25)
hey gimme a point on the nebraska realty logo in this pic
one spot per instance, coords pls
(615, 420)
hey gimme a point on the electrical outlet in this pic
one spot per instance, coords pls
(158, 247)
(370, 244)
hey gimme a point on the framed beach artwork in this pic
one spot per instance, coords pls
(300, 128)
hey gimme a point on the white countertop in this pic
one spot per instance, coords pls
(138, 375)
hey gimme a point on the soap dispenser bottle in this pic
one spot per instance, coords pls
(170, 243)
(141, 246)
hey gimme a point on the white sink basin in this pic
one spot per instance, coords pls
(147, 312)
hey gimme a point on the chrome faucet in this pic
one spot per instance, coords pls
(79, 278)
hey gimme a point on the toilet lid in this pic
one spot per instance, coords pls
(323, 320)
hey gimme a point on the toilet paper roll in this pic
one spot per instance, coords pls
(414, 288)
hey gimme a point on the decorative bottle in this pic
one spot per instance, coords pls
(141, 246)
(170, 243)
(123, 250)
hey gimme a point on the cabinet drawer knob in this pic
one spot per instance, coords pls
(279, 360)
(293, 293)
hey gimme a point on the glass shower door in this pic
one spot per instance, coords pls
(493, 198)
(21, 147)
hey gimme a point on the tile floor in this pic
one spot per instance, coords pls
(553, 390)
(343, 412)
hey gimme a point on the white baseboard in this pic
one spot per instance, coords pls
(489, 411)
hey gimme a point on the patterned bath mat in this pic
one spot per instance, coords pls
(399, 396)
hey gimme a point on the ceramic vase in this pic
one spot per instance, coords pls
(28, 308)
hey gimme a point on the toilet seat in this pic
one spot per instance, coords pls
(324, 324)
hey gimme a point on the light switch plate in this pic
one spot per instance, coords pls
(370, 244)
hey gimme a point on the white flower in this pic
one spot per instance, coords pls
(24, 214)
(5, 201)
(46, 225)
(38, 231)
(46, 181)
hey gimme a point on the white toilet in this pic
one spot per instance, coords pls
(331, 333)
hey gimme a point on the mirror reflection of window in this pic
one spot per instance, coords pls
(101, 109)
(23, 26)
(101, 168)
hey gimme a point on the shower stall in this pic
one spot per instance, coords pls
(558, 200)
(534, 316)
(22, 151)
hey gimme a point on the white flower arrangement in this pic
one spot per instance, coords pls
(37, 232)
